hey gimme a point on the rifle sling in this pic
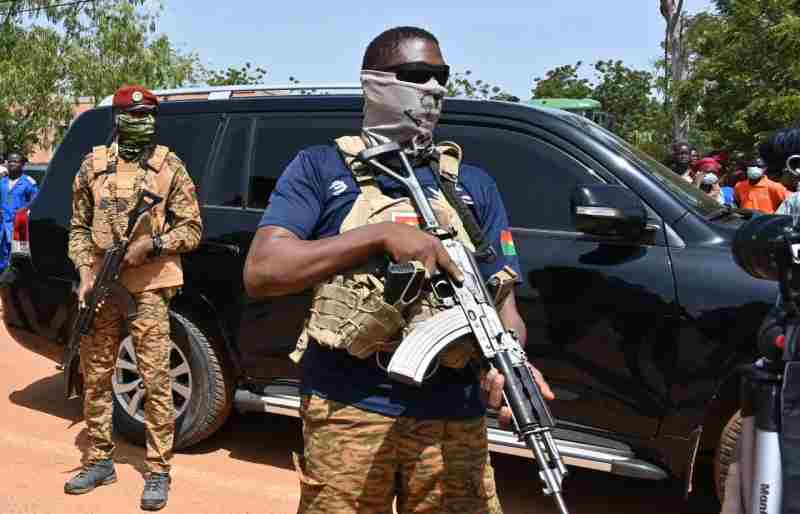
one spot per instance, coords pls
(484, 252)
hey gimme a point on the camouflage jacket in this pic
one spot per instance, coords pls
(185, 226)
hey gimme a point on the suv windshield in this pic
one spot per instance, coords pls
(686, 192)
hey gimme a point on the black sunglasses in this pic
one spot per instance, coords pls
(420, 72)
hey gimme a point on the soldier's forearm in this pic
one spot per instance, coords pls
(511, 319)
(81, 247)
(279, 263)
(81, 258)
(181, 239)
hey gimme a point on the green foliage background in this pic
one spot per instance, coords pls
(744, 72)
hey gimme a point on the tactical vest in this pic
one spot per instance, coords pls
(115, 185)
(348, 311)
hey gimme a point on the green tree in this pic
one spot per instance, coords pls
(33, 98)
(54, 52)
(32, 81)
(562, 82)
(233, 76)
(626, 94)
(463, 85)
(746, 75)
(119, 45)
(676, 64)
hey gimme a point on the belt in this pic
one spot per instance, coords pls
(380, 361)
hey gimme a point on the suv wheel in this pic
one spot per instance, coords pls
(726, 452)
(200, 391)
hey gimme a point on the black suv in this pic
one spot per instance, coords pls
(636, 311)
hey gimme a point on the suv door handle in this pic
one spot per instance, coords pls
(220, 248)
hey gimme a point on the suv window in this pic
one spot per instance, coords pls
(225, 184)
(191, 138)
(671, 181)
(278, 139)
(535, 178)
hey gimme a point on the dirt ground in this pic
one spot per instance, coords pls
(245, 468)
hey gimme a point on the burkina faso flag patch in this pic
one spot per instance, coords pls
(507, 243)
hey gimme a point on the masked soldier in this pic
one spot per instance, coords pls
(105, 189)
(369, 440)
(17, 191)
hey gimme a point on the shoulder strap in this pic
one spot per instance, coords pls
(164, 174)
(349, 147)
(158, 157)
(447, 170)
(449, 159)
(99, 159)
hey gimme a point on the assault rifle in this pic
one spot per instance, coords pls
(106, 285)
(472, 312)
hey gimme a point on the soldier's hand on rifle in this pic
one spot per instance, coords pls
(492, 386)
(87, 282)
(405, 243)
(137, 252)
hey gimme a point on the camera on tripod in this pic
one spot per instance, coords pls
(768, 247)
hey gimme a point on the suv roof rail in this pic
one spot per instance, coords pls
(226, 92)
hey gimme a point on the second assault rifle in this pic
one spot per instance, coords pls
(106, 285)
(472, 312)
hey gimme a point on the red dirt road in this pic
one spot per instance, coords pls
(246, 468)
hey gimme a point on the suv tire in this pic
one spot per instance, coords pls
(209, 391)
(726, 452)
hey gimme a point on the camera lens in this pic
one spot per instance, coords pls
(758, 243)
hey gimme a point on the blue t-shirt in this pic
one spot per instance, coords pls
(311, 199)
(13, 199)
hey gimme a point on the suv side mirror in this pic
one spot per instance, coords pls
(608, 210)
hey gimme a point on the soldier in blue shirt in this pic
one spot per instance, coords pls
(369, 440)
(17, 190)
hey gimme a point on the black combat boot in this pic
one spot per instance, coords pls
(98, 473)
(156, 491)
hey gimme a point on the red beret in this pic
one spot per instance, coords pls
(134, 98)
(707, 164)
(721, 157)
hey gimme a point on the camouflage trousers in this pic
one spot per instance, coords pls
(151, 341)
(361, 462)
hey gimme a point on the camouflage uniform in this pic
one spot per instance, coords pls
(150, 329)
(356, 461)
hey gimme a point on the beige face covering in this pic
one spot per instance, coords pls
(403, 112)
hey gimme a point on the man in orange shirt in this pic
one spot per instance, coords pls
(759, 192)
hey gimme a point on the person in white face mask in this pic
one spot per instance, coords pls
(758, 192)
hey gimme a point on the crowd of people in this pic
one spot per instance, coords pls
(759, 182)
